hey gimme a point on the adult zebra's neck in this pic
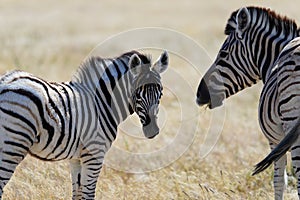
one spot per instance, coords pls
(109, 82)
(255, 38)
(268, 34)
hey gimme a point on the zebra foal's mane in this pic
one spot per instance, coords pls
(95, 64)
(145, 58)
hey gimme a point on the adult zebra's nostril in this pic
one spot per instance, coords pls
(203, 96)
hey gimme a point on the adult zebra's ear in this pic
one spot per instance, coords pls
(243, 21)
(162, 63)
(135, 65)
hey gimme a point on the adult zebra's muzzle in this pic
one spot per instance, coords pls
(206, 96)
(203, 96)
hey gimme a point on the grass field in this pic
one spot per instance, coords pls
(51, 38)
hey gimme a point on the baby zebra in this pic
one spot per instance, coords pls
(255, 38)
(77, 120)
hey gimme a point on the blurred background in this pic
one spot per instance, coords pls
(51, 38)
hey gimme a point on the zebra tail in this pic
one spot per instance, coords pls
(281, 149)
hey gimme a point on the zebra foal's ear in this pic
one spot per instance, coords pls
(135, 65)
(162, 63)
(242, 20)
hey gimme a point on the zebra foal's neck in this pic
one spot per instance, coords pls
(107, 79)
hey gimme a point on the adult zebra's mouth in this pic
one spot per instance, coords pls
(205, 97)
(211, 105)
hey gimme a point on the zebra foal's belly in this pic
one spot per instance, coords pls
(56, 150)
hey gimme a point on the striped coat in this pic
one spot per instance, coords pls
(256, 38)
(77, 120)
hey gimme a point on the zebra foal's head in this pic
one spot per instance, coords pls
(255, 36)
(147, 90)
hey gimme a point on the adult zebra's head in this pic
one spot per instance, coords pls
(147, 90)
(255, 37)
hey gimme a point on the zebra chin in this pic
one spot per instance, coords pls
(211, 104)
(210, 99)
(151, 130)
(207, 96)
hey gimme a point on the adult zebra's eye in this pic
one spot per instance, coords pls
(239, 36)
(223, 54)
(138, 95)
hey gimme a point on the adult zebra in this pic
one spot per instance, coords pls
(256, 36)
(285, 84)
(77, 120)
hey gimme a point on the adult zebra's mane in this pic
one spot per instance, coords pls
(275, 19)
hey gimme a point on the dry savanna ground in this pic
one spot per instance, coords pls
(51, 38)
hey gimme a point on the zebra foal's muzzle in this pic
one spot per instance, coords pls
(151, 128)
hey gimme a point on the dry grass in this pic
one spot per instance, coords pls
(50, 39)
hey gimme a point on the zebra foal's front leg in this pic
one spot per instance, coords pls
(84, 177)
(91, 160)
(91, 167)
(75, 166)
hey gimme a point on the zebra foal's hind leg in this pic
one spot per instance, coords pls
(13, 149)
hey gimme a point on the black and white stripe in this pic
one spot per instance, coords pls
(280, 105)
(77, 120)
(256, 38)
